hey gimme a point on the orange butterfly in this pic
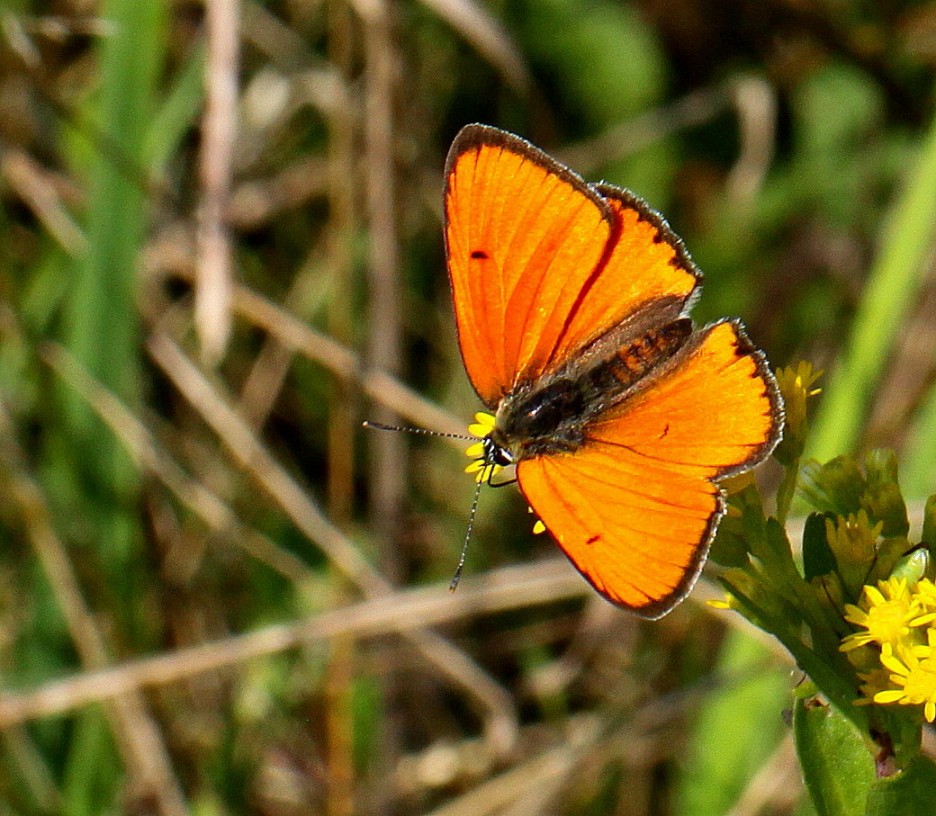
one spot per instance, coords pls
(571, 302)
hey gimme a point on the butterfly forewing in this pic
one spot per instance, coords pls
(523, 236)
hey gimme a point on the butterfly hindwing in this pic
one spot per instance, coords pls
(636, 506)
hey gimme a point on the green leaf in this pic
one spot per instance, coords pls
(786, 492)
(822, 665)
(817, 555)
(724, 752)
(890, 553)
(913, 566)
(730, 547)
(883, 499)
(838, 769)
(929, 523)
(909, 793)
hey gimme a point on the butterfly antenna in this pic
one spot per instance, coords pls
(453, 584)
(380, 426)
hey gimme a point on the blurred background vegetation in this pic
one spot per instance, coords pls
(220, 249)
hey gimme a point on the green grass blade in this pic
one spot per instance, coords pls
(101, 326)
(917, 474)
(892, 286)
(177, 112)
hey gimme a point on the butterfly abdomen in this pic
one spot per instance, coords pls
(552, 415)
(637, 358)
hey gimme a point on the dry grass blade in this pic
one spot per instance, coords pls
(244, 446)
(379, 386)
(487, 35)
(247, 450)
(528, 784)
(633, 135)
(140, 443)
(214, 258)
(454, 664)
(403, 612)
(37, 189)
(173, 252)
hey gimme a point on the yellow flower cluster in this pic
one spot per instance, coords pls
(483, 470)
(796, 384)
(897, 619)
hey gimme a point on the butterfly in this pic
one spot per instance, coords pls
(622, 417)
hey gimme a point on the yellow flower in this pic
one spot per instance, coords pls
(728, 602)
(853, 540)
(886, 613)
(483, 425)
(796, 388)
(895, 614)
(926, 598)
(475, 451)
(872, 683)
(482, 469)
(913, 671)
(538, 527)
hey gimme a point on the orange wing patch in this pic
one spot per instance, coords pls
(712, 413)
(523, 234)
(646, 262)
(639, 533)
(635, 508)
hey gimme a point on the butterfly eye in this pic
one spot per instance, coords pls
(500, 456)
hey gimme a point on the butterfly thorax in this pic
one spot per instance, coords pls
(551, 415)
